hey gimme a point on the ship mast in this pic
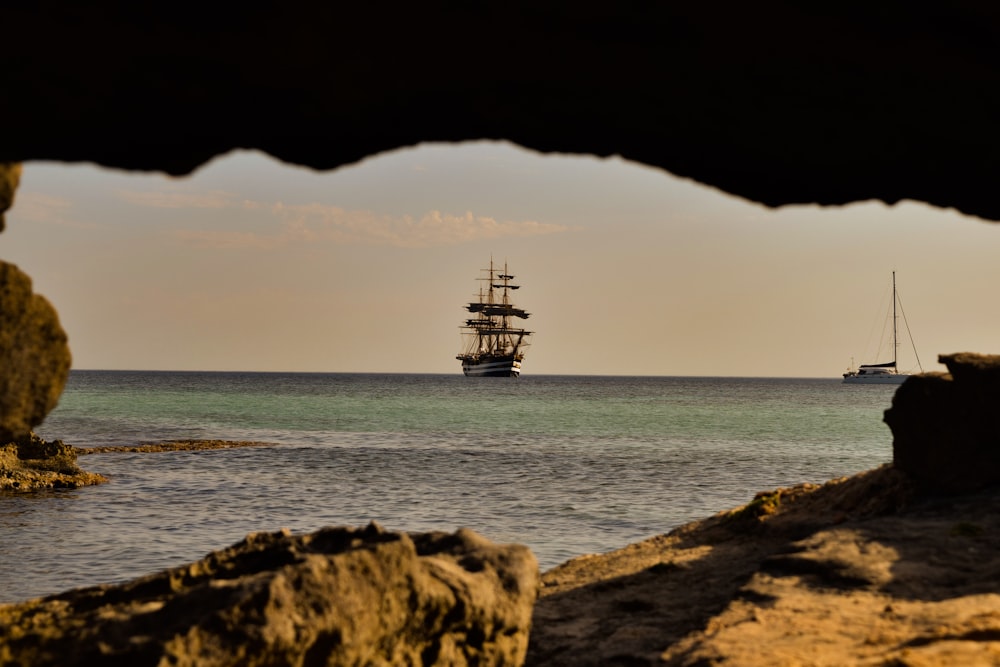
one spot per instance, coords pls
(495, 337)
(505, 318)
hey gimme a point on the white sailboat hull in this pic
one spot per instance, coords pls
(887, 378)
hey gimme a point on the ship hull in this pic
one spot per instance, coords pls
(497, 367)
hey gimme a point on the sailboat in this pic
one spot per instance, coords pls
(494, 344)
(886, 372)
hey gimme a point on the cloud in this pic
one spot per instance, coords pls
(319, 223)
(217, 199)
(36, 207)
(314, 222)
(228, 240)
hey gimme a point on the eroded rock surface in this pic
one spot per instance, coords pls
(339, 596)
(34, 355)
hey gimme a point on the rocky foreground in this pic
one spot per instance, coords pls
(895, 566)
(863, 570)
(859, 571)
(339, 596)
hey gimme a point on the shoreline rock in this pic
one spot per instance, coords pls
(30, 464)
(861, 570)
(34, 353)
(338, 596)
(946, 432)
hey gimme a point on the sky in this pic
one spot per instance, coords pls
(251, 264)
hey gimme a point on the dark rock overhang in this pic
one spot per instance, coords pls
(781, 103)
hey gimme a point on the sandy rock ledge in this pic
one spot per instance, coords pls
(859, 571)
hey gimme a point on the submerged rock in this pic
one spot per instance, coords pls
(339, 596)
(30, 463)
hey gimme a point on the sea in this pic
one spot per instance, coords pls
(567, 465)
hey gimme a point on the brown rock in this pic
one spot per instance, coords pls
(34, 355)
(339, 596)
(10, 176)
(983, 369)
(946, 426)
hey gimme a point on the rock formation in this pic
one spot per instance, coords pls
(946, 426)
(34, 355)
(339, 596)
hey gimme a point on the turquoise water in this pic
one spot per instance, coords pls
(565, 464)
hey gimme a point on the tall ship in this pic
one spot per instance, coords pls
(886, 372)
(494, 342)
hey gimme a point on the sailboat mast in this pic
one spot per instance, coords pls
(895, 342)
